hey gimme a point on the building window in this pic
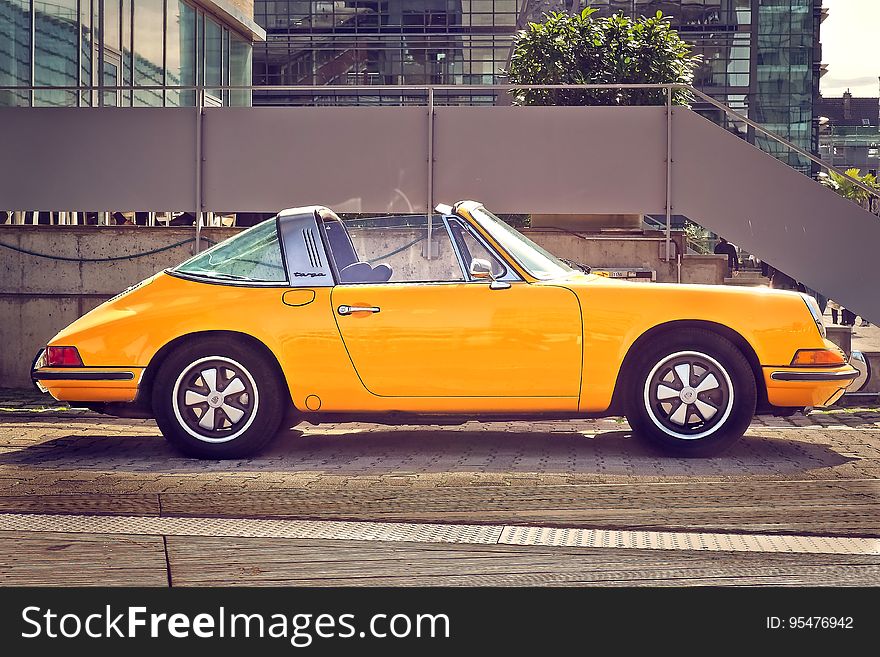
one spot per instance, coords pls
(180, 53)
(213, 58)
(97, 45)
(56, 52)
(15, 51)
(240, 70)
(149, 52)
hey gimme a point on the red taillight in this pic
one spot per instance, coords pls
(63, 357)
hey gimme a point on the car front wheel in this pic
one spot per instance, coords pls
(217, 399)
(692, 394)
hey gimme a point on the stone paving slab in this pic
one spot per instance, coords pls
(812, 474)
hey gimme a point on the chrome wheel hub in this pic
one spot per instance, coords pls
(215, 399)
(688, 395)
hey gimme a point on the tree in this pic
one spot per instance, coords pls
(580, 49)
(845, 187)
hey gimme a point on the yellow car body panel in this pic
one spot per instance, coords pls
(775, 325)
(465, 340)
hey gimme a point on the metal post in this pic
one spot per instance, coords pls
(430, 191)
(198, 172)
(668, 171)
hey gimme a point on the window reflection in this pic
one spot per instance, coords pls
(15, 50)
(240, 67)
(148, 51)
(180, 57)
(213, 53)
(56, 42)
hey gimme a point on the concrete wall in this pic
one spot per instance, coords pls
(40, 296)
(410, 263)
(607, 250)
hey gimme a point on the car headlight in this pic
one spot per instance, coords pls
(813, 305)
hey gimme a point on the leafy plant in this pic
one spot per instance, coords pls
(581, 49)
(697, 237)
(847, 189)
(517, 220)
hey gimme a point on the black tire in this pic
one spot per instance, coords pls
(198, 414)
(696, 417)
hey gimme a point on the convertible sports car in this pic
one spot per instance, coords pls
(305, 317)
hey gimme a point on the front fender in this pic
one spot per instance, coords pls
(774, 323)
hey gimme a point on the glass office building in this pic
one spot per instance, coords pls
(849, 132)
(384, 42)
(90, 46)
(390, 42)
(761, 57)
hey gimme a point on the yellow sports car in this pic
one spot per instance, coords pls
(305, 317)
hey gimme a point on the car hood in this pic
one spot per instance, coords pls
(586, 282)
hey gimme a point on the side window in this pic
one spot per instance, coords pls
(252, 255)
(394, 250)
(471, 247)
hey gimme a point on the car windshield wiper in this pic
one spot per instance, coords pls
(577, 265)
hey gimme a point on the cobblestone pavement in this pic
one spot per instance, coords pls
(816, 473)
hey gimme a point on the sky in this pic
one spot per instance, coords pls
(851, 48)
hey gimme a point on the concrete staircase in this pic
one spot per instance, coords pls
(748, 278)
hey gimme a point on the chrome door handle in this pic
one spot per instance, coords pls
(348, 310)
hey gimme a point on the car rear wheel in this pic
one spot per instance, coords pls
(218, 399)
(693, 394)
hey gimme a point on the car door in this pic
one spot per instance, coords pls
(432, 332)
(463, 339)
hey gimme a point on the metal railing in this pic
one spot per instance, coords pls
(431, 93)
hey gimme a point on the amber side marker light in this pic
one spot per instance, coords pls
(63, 357)
(818, 358)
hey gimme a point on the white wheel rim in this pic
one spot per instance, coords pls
(685, 391)
(212, 405)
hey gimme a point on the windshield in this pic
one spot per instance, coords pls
(531, 257)
(252, 255)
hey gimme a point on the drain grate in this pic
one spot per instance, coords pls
(437, 533)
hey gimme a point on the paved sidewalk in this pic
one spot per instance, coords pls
(866, 338)
(806, 476)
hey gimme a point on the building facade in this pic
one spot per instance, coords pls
(77, 51)
(760, 57)
(849, 132)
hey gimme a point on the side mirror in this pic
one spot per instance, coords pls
(481, 269)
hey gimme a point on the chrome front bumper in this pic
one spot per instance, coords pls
(813, 377)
